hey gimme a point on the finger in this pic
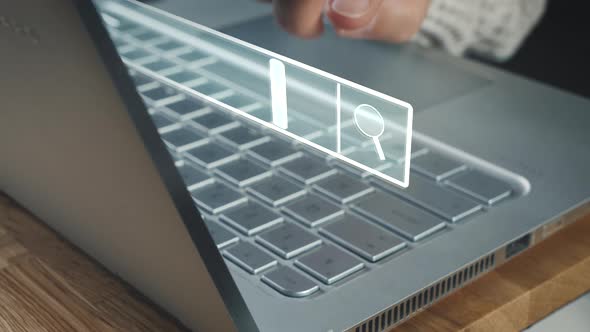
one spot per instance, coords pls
(396, 21)
(352, 14)
(300, 17)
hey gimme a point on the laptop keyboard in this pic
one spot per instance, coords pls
(292, 219)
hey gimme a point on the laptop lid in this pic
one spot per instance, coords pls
(79, 150)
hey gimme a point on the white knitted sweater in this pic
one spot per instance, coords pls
(490, 28)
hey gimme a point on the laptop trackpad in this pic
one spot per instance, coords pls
(401, 72)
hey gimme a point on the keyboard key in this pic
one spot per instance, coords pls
(136, 55)
(192, 56)
(221, 236)
(162, 95)
(436, 166)
(242, 172)
(187, 78)
(262, 113)
(115, 35)
(328, 141)
(169, 45)
(289, 282)
(329, 264)
(251, 108)
(213, 122)
(364, 239)
(274, 152)
(121, 44)
(370, 159)
(276, 191)
(194, 178)
(140, 79)
(251, 219)
(187, 108)
(163, 123)
(307, 169)
(210, 88)
(159, 65)
(238, 100)
(146, 35)
(343, 188)
(250, 258)
(288, 240)
(313, 210)
(439, 200)
(125, 26)
(217, 197)
(303, 128)
(211, 155)
(403, 218)
(483, 187)
(243, 137)
(183, 139)
(160, 92)
(394, 147)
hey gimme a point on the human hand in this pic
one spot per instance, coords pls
(387, 20)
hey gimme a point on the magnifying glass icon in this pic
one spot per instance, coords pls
(370, 123)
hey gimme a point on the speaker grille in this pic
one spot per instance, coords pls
(429, 295)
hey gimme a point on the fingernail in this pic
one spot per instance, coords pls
(363, 32)
(350, 8)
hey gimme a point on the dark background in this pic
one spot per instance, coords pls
(558, 50)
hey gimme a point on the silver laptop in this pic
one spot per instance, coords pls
(111, 131)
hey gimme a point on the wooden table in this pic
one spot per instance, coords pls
(48, 285)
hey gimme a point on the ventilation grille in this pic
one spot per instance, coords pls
(403, 310)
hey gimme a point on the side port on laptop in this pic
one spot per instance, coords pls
(518, 245)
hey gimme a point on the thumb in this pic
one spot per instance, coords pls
(396, 21)
(352, 14)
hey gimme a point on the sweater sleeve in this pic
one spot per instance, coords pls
(490, 28)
